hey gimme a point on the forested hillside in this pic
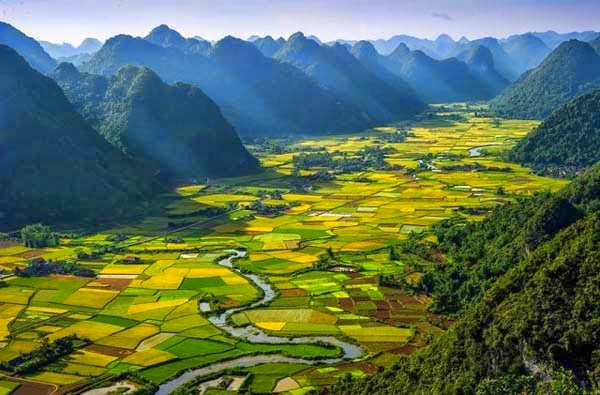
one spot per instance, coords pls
(175, 130)
(570, 70)
(54, 166)
(527, 280)
(567, 142)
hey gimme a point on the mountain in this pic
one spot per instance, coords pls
(176, 131)
(165, 37)
(436, 81)
(54, 166)
(27, 47)
(526, 50)
(502, 61)
(567, 142)
(66, 50)
(569, 71)
(246, 85)
(596, 44)
(480, 62)
(335, 69)
(366, 53)
(553, 39)
(529, 299)
(268, 46)
(436, 49)
(76, 60)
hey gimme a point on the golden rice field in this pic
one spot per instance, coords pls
(145, 317)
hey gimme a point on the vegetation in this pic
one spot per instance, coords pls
(36, 268)
(43, 355)
(38, 236)
(195, 140)
(567, 142)
(530, 325)
(36, 124)
(570, 70)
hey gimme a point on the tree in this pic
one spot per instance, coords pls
(38, 236)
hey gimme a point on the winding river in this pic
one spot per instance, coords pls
(256, 335)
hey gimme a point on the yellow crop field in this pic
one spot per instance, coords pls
(148, 357)
(86, 329)
(130, 338)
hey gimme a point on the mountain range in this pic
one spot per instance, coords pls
(242, 81)
(66, 50)
(176, 131)
(336, 70)
(54, 166)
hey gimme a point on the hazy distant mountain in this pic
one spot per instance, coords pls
(596, 45)
(55, 167)
(366, 53)
(335, 69)
(166, 37)
(480, 62)
(526, 51)
(77, 60)
(27, 47)
(257, 94)
(436, 81)
(553, 39)
(66, 50)
(567, 142)
(315, 39)
(502, 61)
(173, 129)
(268, 46)
(570, 70)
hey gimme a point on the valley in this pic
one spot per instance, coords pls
(332, 238)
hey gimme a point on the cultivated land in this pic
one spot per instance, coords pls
(143, 314)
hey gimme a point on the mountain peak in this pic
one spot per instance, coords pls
(166, 37)
(364, 50)
(66, 71)
(444, 38)
(297, 36)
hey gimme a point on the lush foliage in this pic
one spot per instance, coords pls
(567, 142)
(54, 166)
(569, 71)
(534, 329)
(134, 110)
(38, 236)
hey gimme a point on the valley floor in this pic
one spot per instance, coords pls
(322, 249)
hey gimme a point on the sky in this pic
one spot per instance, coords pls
(73, 20)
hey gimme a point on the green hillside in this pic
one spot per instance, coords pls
(54, 166)
(177, 131)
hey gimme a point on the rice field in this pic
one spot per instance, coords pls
(144, 314)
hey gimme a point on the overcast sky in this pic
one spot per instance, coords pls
(73, 20)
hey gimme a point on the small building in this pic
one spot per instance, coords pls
(131, 259)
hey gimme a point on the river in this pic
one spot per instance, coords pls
(255, 335)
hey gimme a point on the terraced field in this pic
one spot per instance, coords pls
(322, 241)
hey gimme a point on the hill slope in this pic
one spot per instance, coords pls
(246, 85)
(175, 130)
(533, 326)
(567, 142)
(54, 166)
(569, 71)
(27, 47)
